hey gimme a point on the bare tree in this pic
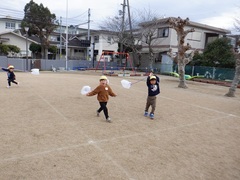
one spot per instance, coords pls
(123, 37)
(149, 24)
(178, 24)
(236, 79)
(143, 33)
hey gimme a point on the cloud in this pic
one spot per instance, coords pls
(212, 12)
(224, 20)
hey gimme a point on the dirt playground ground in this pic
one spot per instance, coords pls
(48, 130)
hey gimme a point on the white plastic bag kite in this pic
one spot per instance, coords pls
(85, 90)
(126, 84)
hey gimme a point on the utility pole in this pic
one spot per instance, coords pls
(88, 38)
(129, 19)
(122, 27)
(67, 35)
(60, 38)
(26, 29)
(131, 32)
(89, 14)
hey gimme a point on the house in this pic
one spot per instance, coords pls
(11, 33)
(166, 39)
(8, 35)
(9, 24)
(19, 40)
(103, 41)
(79, 48)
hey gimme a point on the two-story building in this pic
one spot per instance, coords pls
(11, 33)
(165, 38)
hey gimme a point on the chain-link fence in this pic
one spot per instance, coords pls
(201, 71)
(211, 72)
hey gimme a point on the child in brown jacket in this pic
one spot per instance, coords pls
(103, 91)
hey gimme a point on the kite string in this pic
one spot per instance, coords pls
(139, 80)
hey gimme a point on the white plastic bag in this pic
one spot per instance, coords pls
(126, 84)
(85, 90)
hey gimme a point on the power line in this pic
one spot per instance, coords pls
(16, 14)
(79, 15)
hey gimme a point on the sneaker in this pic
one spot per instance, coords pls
(18, 83)
(151, 116)
(146, 114)
(8, 86)
(98, 114)
(108, 119)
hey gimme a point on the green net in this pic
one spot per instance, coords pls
(202, 71)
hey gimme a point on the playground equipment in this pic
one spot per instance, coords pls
(107, 53)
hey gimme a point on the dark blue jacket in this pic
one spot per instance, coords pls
(11, 75)
(153, 90)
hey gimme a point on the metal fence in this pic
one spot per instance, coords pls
(46, 65)
(203, 71)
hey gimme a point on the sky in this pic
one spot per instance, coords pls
(217, 13)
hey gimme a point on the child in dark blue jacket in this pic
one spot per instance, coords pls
(11, 75)
(153, 90)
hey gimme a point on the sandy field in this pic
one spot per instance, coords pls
(48, 130)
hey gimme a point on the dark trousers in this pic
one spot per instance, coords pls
(11, 80)
(103, 106)
(151, 101)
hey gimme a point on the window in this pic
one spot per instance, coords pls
(90, 38)
(10, 25)
(96, 39)
(78, 50)
(109, 39)
(53, 38)
(194, 36)
(72, 31)
(163, 32)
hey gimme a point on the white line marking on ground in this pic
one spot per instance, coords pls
(94, 143)
(112, 160)
(232, 115)
(187, 103)
(91, 142)
(43, 152)
(160, 130)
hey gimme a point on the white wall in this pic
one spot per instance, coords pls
(103, 44)
(17, 41)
